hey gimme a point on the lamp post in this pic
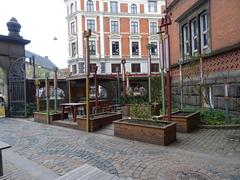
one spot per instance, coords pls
(118, 86)
(149, 47)
(87, 34)
(96, 88)
(47, 75)
(161, 62)
(55, 88)
(166, 21)
(124, 79)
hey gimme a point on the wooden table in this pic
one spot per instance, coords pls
(74, 107)
(2, 146)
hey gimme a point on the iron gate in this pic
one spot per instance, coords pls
(17, 88)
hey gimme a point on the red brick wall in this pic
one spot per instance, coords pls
(177, 11)
(106, 7)
(225, 23)
(141, 8)
(125, 46)
(124, 25)
(124, 7)
(97, 5)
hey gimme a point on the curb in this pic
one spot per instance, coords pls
(233, 126)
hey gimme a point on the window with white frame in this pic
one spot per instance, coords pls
(72, 27)
(113, 6)
(81, 67)
(134, 9)
(114, 27)
(102, 65)
(185, 39)
(204, 30)
(152, 6)
(116, 68)
(72, 8)
(92, 47)
(194, 35)
(91, 24)
(134, 27)
(135, 48)
(136, 67)
(115, 48)
(154, 48)
(153, 27)
(74, 69)
(90, 6)
(73, 49)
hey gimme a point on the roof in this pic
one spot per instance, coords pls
(41, 61)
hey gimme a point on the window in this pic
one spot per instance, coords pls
(153, 48)
(72, 28)
(92, 47)
(114, 27)
(115, 48)
(116, 68)
(136, 67)
(81, 67)
(91, 24)
(92, 68)
(74, 69)
(73, 49)
(90, 6)
(72, 8)
(135, 48)
(153, 27)
(185, 40)
(152, 6)
(134, 9)
(154, 67)
(194, 34)
(204, 30)
(113, 6)
(134, 27)
(102, 67)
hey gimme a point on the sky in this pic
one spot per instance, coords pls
(41, 21)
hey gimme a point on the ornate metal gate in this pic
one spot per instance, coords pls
(17, 88)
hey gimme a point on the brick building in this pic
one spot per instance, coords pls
(207, 29)
(120, 29)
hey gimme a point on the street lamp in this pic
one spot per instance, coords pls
(47, 75)
(161, 63)
(166, 21)
(124, 79)
(149, 47)
(55, 69)
(87, 35)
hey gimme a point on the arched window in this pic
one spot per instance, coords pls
(72, 8)
(90, 6)
(134, 9)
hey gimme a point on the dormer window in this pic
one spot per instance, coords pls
(90, 6)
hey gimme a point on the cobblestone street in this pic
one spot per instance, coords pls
(203, 154)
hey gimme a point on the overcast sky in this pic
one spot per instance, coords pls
(41, 21)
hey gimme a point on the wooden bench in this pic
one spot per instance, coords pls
(2, 147)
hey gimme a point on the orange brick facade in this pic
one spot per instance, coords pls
(217, 42)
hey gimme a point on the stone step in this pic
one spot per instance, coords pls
(87, 172)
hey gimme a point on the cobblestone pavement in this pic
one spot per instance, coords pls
(203, 154)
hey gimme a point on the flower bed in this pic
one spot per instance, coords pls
(154, 132)
(53, 116)
(186, 121)
(97, 121)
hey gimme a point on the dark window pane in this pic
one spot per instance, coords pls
(135, 48)
(116, 68)
(115, 48)
(136, 68)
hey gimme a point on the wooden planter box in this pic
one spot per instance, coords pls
(97, 121)
(42, 117)
(186, 121)
(154, 132)
(154, 109)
